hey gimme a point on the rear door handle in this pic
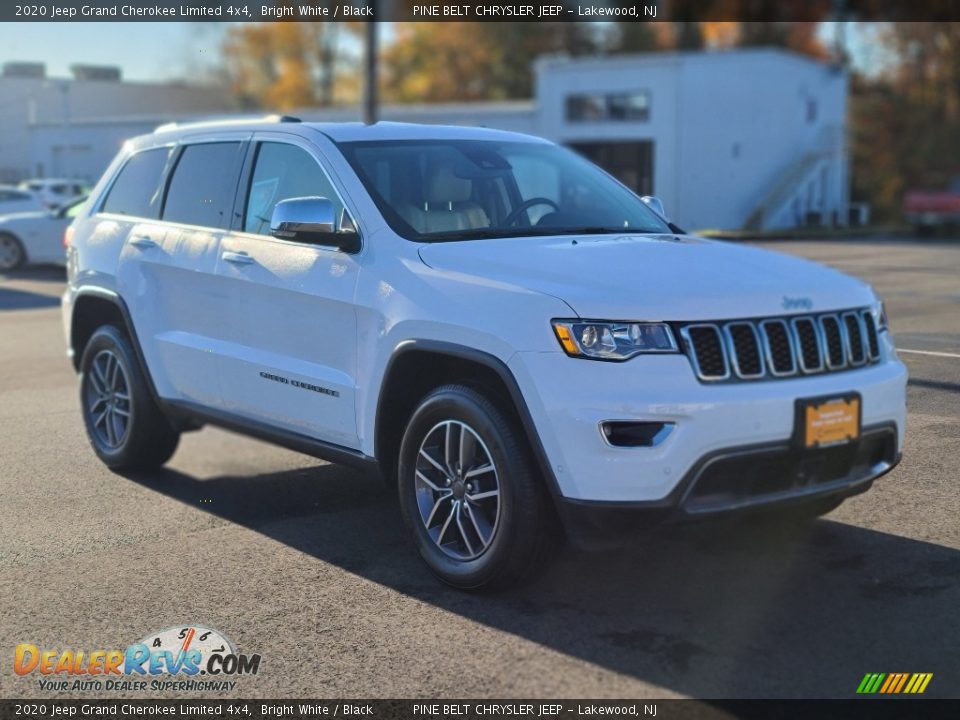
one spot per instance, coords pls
(143, 242)
(237, 258)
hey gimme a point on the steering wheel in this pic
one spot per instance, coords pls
(526, 205)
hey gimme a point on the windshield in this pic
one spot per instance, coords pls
(436, 190)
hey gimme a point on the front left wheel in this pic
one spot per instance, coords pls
(471, 493)
(124, 425)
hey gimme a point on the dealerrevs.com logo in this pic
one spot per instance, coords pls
(185, 658)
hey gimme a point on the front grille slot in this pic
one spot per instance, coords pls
(836, 357)
(769, 348)
(779, 347)
(808, 340)
(745, 354)
(873, 341)
(706, 346)
(856, 348)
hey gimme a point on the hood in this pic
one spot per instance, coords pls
(655, 277)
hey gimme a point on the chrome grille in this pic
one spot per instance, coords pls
(781, 347)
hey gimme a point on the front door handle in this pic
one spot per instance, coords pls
(237, 258)
(143, 242)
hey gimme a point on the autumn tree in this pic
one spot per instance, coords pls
(905, 115)
(433, 62)
(287, 65)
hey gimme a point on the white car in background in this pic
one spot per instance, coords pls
(55, 193)
(15, 200)
(36, 237)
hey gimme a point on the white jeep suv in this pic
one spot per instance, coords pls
(507, 335)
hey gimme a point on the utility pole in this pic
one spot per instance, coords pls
(370, 69)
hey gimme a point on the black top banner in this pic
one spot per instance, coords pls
(469, 10)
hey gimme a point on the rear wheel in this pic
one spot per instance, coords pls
(470, 492)
(124, 425)
(12, 254)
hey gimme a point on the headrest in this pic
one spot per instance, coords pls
(445, 187)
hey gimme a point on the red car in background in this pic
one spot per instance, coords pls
(927, 210)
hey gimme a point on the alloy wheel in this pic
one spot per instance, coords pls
(107, 399)
(457, 490)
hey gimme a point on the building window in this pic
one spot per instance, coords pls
(629, 162)
(615, 107)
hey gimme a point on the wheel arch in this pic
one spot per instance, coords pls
(94, 307)
(416, 367)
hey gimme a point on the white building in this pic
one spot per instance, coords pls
(69, 127)
(735, 139)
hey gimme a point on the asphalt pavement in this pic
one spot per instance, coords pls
(307, 563)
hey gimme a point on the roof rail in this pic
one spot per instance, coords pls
(227, 121)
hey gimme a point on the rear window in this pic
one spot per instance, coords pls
(138, 188)
(13, 195)
(204, 184)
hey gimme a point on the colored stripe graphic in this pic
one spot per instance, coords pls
(894, 683)
(903, 680)
(891, 678)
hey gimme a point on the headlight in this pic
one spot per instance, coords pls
(613, 340)
(880, 315)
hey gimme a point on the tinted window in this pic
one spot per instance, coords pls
(13, 195)
(138, 187)
(281, 172)
(203, 185)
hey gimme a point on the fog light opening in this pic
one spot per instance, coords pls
(623, 433)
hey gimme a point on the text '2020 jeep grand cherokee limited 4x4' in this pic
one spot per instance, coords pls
(494, 325)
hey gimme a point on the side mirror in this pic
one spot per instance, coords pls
(655, 204)
(313, 220)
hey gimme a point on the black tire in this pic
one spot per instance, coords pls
(146, 440)
(11, 243)
(524, 529)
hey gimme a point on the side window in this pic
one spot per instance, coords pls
(281, 172)
(138, 187)
(203, 185)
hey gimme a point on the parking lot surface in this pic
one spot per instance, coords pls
(307, 564)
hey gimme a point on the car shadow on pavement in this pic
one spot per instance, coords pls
(37, 273)
(11, 299)
(738, 609)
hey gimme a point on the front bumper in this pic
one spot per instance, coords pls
(732, 429)
(741, 480)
